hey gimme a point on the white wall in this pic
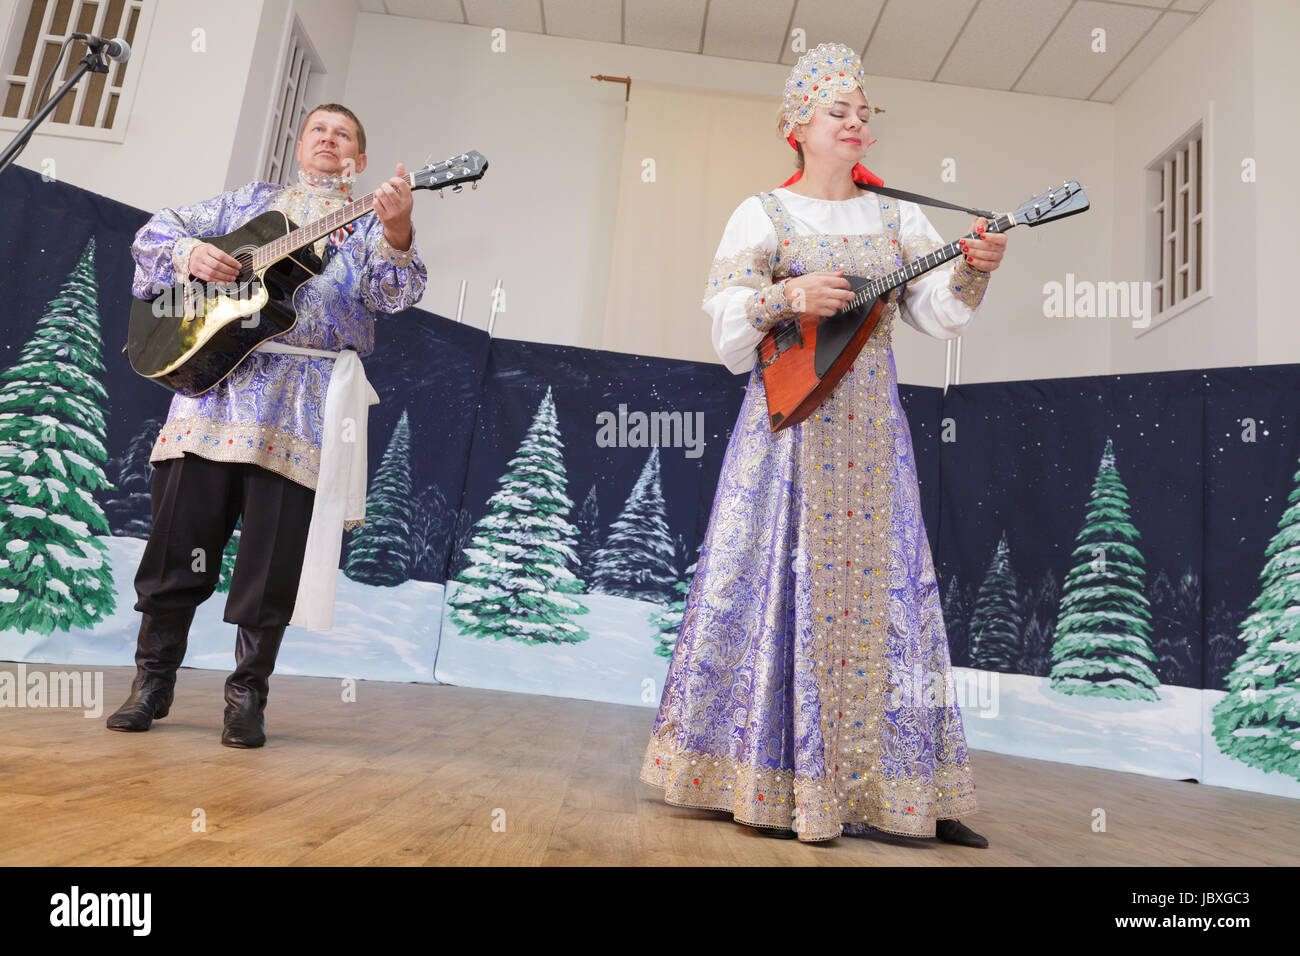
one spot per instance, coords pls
(1211, 62)
(199, 118)
(544, 217)
(1277, 144)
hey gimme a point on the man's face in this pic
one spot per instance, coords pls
(329, 145)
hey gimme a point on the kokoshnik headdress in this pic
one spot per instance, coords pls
(822, 74)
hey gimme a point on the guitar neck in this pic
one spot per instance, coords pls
(308, 233)
(931, 260)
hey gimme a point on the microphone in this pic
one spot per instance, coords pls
(116, 49)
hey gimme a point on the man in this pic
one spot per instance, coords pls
(252, 446)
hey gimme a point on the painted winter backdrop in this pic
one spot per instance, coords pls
(1081, 535)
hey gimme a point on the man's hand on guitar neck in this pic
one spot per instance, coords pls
(210, 264)
(392, 205)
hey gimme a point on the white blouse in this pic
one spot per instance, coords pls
(929, 303)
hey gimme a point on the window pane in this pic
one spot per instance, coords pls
(24, 65)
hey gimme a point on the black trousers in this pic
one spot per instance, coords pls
(196, 503)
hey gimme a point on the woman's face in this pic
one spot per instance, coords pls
(837, 132)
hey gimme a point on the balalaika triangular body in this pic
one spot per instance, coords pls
(804, 358)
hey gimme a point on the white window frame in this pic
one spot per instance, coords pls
(1155, 242)
(125, 99)
(302, 90)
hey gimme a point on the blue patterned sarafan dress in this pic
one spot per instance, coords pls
(811, 686)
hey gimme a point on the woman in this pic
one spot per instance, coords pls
(810, 691)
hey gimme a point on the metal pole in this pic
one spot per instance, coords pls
(947, 365)
(496, 298)
(460, 304)
(956, 377)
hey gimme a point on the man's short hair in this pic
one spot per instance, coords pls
(338, 108)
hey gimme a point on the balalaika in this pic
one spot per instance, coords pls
(191, 336)
(804, 358)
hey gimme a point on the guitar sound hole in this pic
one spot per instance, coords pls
(245, 260)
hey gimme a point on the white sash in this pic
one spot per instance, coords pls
(341, 486)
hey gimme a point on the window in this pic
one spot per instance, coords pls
(301, 80)
(98, 106)
(1178, 231)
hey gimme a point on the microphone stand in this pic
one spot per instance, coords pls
(92, 62)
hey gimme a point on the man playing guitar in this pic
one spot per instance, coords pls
(252, 444)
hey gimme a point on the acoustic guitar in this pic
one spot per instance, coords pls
(804, 358)
(191, 336)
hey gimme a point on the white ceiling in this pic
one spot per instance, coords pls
(1029, 46)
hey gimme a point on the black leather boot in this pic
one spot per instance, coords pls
(159, 650)
(246, 689)
(954, 831)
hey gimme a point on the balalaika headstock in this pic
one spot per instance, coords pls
(1068, 199)
(454, 171)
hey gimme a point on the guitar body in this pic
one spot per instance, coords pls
(805, 358)
(190, 343)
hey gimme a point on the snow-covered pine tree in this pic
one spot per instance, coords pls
(430, 528)
(667, 621)
(54, 570)
(380, 551)
(1258, 722)
(228, 556)
(518, 575)
(995, 622)
(128, 507)
(1038, 622)
(956, 620)
(637, 558)
(587, 522)
(1102, 642)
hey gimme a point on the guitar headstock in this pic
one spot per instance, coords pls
(453, 171)
(1068, 199)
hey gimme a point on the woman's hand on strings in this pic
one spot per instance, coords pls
(984, 253)
(818, 293)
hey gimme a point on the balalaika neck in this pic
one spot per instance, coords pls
(308, 233)
(931, 260)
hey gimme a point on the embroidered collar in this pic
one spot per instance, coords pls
(330, 187)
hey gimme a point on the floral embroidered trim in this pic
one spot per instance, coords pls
(767, 307)
(181, 257)
(247, 443)
(748, 267)
(398, 257)
(968, 284)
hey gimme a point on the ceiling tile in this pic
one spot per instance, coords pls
(832, 21)
(999, 41)
(584, 20)
(1066, 65)
(1190, 6)
(1144, 54)
(744, 30)
(446, 11)
(523, 15)
(912, 38)
(664, 24)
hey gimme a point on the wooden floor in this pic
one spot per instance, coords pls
(414, 774)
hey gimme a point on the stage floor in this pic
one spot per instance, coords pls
(417, 774)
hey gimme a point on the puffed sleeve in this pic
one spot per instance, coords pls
(392, 279)
(740, 296)
(941, 302)
(163, 245)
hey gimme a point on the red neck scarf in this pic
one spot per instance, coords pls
(861, 174)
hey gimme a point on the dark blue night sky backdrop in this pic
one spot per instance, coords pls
(1024, 459)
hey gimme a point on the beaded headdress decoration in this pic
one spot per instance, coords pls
(821, 74)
